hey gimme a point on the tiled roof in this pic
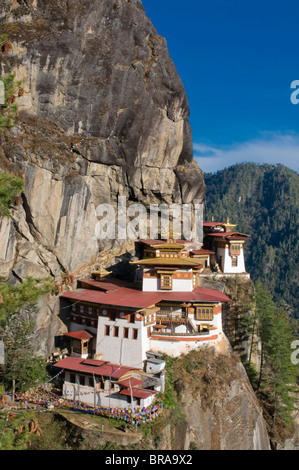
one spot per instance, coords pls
(131, 381)
(121, 297)
(212, 224)
(95, 367)
(185, 262)
(107, 285)
(138, 299)
(125, 297)
(82, 334)
(199, 294)
(202, 251)
(228, 234)
(138, 392)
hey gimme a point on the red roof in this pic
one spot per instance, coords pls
(212, 224)
(131, 381)
(203, 251)
(228, 235)
(199, 294)
(82, 334)
(125, 297)
(110, 284)
(138, 392)
(95, 367)
(121, 297)
(138, 299)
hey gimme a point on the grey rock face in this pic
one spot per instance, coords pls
(102, 74)
(103, 113)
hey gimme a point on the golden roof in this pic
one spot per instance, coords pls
(167, 262)
(168, 246)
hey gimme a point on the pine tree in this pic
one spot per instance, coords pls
(22, 368)
(10, 187)
(277, 375)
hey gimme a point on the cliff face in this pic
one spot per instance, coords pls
(103, 113)
(218, 404)
(96, 77)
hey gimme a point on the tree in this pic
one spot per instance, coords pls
(277, 375)
(10, 187)
(8, 109)
(16, 296)
(22, 368)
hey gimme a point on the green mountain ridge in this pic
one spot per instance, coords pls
(263, 201)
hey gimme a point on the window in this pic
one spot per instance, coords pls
(72, 378)
(235, 249)
(76, 346)
(107, 330)
(135, 334)
(164, 309)
(116, 331)
(132, 318)
(82, 380)
(234, 261)
(204, 313)
(166, 281)
(90, 381)
(126, 333)
(112, 316)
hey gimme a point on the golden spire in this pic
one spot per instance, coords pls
(228, 226)
(100, 273)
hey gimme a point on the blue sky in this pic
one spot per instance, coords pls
(237, 60)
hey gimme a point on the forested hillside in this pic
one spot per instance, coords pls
(263, 201)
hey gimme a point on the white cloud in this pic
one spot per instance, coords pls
(270, 147)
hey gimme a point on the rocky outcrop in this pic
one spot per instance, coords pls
(102, 113)
(219, 408)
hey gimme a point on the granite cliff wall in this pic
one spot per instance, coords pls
(103, 113)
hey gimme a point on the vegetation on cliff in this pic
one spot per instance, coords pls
(9, 90)
(10, 187)
(274, 377)
(262, 334)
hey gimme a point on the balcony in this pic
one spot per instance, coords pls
(171, 321)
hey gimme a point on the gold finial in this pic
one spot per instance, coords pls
(212, 218)
(170, 236)
(228, 225)
(171, 233)
(100, 273)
